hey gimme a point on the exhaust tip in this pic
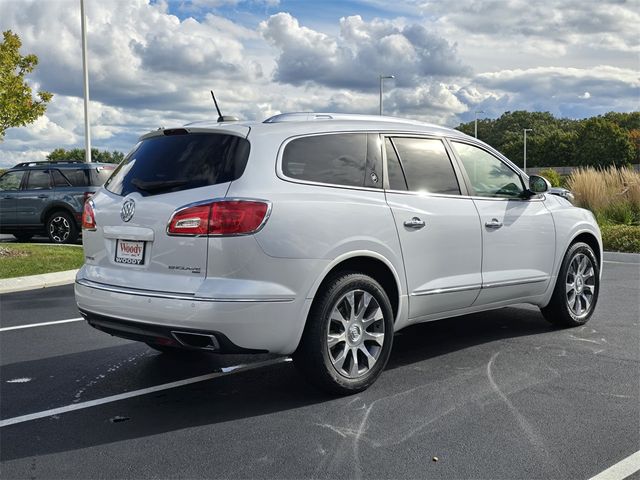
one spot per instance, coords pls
(199, 341)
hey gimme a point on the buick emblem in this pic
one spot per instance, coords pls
(127, 211)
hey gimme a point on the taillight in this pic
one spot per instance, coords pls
(88, 216)
(224, 217)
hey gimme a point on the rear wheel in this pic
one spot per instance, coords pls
(577, 287)
(61, 228)
(23, 237)
(348, 335)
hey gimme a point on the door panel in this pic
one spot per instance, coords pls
(439, 230)
(32, 200)
(518, 234)
(518, 256)
(9, 187)
(442, 259)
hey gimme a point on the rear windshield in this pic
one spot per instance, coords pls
(100, 175)
(180, 162)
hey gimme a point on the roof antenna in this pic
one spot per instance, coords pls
(222, 118)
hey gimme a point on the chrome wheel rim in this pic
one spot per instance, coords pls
(580, 285)
(355, 333)
(59, 229)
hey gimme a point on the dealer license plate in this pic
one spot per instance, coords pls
(130, 252)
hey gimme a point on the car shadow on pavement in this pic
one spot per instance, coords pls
(276, 389)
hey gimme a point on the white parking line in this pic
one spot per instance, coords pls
(137, 393)
(43, 324)
(620, 263)
(622, 469)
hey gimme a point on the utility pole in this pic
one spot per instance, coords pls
(525, 130)
(85, 72)
(382, 79)
(475, 130)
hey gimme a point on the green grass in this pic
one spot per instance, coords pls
(20, 259)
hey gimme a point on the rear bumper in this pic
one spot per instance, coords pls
(239, 325)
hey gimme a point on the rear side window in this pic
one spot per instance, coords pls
(180, 162)
(76, 176)
(338, 159)
(426, 165)
(100, 175)
(59, 180)
(396, 176)
(38, 180)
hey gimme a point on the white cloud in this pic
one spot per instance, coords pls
(150, 67)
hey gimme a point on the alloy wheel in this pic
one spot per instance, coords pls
(355, 333)
(59, 229)
(580, 285)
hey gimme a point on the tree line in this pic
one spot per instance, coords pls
(609, 139)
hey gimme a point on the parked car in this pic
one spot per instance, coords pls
(48, 198)
(320, 235)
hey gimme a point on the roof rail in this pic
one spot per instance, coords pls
(314, 116)
(45, 162)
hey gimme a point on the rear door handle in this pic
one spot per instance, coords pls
(415, 222)
(494, 223)
(43, 196)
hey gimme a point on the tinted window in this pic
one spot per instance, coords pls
(179, 162)
(59, 180)
(427, 166)
(11, 180)
(100, 175)
(396, 176)
(338, 159)
(373, 175)
(489, 176)
(38, 180)
(76, 176)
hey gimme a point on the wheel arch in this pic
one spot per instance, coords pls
(55, 207)
(590, 239)
(369, 263)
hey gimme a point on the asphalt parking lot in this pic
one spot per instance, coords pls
(498, 395)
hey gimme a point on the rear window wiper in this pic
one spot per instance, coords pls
(157, 185)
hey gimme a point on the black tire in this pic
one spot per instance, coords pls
(62, 228)
(561, 310)
(23, 237)
(314, 356)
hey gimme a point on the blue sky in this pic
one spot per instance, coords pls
(152, 63)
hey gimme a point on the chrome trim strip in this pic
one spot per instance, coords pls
(435, 291)
(508, 283)
(466, 288)
(177, 296)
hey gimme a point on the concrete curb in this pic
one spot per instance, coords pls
(56, 279)
(622, 257)
(31, 282)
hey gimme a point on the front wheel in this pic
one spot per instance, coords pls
(348, 335)
(577, 287)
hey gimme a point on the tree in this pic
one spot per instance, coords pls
(77, 154)
(601, 143)
(17, 105)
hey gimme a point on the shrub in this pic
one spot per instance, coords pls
(554, 177)
(613, 195)
(621, 238)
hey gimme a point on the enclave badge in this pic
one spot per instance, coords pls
(127, 211)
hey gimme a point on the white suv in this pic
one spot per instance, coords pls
(320, 235)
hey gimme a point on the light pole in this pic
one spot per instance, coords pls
(475, 130)
(382, 79)
(525, 130)
(85, 72)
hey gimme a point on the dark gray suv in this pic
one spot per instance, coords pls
(48, 197)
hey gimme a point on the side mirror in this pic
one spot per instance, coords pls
(538, 184)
